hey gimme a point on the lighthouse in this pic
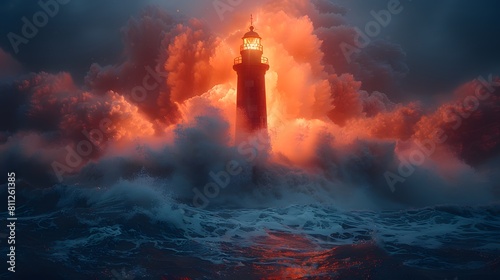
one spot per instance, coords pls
(251, 67)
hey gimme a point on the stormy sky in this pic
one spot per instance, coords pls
(73, 98)
(445, 42)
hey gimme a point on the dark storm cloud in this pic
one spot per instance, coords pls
(446, 42)
(79, 33)
(96, 54)
(443, 43)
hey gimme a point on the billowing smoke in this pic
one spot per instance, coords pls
(167, 110)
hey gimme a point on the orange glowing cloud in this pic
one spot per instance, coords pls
(312, 102)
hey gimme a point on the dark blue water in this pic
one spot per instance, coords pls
(130, 232)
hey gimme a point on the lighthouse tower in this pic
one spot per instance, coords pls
(251, 67)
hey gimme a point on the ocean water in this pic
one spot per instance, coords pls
(134, 232)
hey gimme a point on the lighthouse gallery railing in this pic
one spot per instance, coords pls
(239, 60)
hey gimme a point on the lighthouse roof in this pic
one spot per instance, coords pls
(251, 34)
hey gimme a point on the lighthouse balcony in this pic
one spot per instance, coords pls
(239, 60)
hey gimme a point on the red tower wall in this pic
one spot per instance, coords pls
(251, 96)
